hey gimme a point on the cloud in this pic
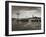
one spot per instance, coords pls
(25, 12)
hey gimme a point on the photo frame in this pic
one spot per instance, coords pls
(24, 18)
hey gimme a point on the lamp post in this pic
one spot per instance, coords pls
(18, 17)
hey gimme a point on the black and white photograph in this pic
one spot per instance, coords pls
(25, 18)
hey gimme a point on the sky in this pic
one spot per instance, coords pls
(25, 12)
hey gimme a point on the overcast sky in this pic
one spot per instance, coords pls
(25, 12)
